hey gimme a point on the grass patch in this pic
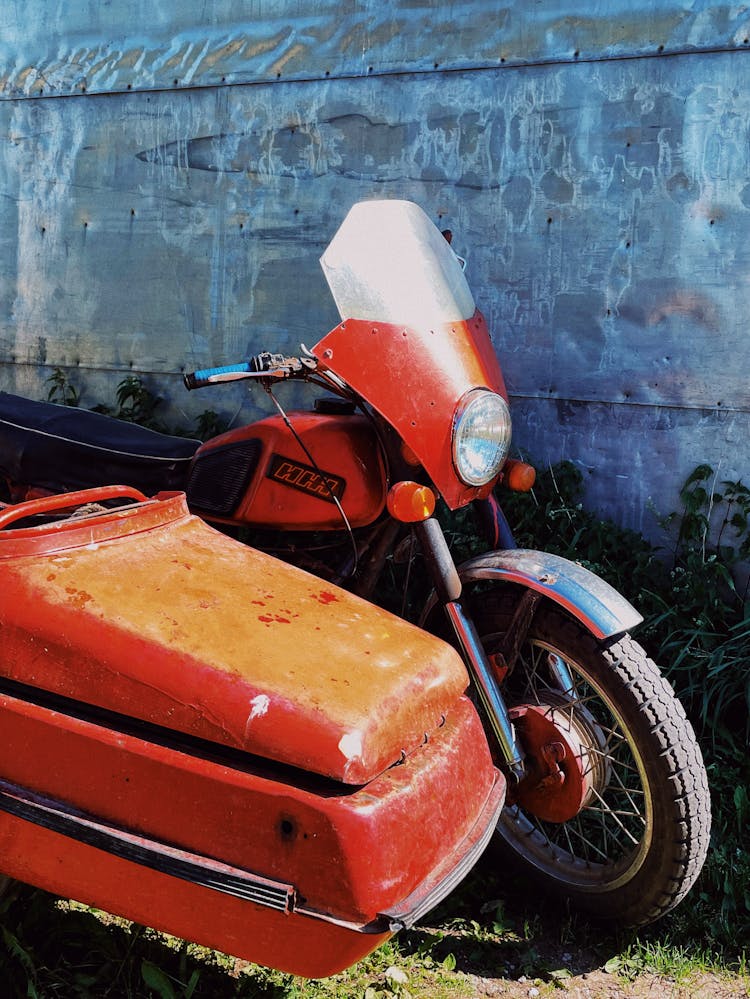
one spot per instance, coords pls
(487, 930)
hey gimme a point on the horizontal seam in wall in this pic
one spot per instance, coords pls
(508, 63)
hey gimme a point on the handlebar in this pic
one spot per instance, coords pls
(207, 376)
(264, 366)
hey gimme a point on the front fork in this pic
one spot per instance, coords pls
(448, 588)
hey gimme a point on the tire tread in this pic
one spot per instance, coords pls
(643, 693)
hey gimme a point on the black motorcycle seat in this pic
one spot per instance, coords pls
(61, 448)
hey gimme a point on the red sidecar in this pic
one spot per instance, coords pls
(213, 743)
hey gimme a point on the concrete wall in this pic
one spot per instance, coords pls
(170, 173)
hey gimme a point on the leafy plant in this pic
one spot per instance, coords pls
(135, 403)
(61, 389)
(210, 424)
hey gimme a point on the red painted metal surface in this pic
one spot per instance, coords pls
(435, 367)
(558, 763)
(66, 501)
(153, 613)
(285, 492)
(348, 855)
(148, 612)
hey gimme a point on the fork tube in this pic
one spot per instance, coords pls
(448, 587)
(561, 674)
(487, 688)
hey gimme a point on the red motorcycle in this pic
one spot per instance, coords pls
(607, 799)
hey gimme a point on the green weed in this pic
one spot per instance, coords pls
(61, 390)
(135, 402)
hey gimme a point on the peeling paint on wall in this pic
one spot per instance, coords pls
(82, 48)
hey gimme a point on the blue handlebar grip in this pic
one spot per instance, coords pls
(198, 379)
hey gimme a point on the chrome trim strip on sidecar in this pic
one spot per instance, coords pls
(60, 817)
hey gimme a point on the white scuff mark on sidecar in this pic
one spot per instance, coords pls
(260, 704)
(258, 707)
(350, 745)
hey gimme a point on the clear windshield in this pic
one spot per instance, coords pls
(390, 264)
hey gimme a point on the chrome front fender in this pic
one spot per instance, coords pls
(596, 604)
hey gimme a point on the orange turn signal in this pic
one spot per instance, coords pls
(410, 503)
(518, 476)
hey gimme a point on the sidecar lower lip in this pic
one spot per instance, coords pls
(303, 875)
(59, 817)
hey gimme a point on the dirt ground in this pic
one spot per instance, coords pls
(600, 985)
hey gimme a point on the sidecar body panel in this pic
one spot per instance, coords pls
(172, 622)
(134, 775)
(332, 860)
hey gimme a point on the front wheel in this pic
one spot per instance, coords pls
(636, 837)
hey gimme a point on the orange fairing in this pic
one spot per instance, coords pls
(422, 375)
(152, 613)
(411, 341)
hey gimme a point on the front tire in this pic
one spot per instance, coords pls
(639, 841)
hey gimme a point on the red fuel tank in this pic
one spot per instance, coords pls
(208, 741)
(260, 475)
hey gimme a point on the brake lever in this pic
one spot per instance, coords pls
(268, 365)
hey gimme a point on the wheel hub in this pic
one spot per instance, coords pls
(562, 771)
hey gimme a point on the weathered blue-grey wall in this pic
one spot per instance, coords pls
(170, 173)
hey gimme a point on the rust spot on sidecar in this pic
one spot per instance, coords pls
(324, 597)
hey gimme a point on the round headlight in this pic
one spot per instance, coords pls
(481, 437)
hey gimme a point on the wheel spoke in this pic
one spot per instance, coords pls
(566, 830)
(608, 810)
(629, 792)
(622, 764)
(572, 827)
(567, 837)
(615, 817)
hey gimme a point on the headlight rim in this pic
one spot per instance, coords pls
(465, 403)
